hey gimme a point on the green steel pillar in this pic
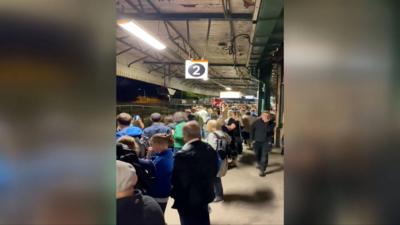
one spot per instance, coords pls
(264, 87)
(260, 97)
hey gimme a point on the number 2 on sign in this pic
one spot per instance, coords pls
(196, 70)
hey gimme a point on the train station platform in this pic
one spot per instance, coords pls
(248, 198)
(210, 59)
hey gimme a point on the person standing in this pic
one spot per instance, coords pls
(169, 122)
(195, 168)
(134, 208)
(247, 122)
(156, 127)
(124, 126)
(180, 120)
(232, 127)
(219, 140)
(163, 161)
(262, 132)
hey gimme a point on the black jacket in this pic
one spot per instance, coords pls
(139, 210)
(195, 168)
(261, 131)
(145, 171)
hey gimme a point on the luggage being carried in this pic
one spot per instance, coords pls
(221, 146)
(222, 149)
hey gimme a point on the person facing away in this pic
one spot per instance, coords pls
(155, 128)
(195, 168)
(262, 131)
(133, 208)
(124, 126)
(232, 127)
(247, 120)
(219, 140)
(202, 112)
(145, 170)
(169, 122)
(180, 120)
(163, 159)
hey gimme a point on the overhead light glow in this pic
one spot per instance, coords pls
(250, 97)
(230, 94)
(228, 89)
(134, 29)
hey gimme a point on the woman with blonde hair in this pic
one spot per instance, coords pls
(219, 140)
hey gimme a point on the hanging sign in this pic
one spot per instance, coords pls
(196, 69)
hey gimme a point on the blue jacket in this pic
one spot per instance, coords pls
(156, 128)
(129, 131)
(164, 163)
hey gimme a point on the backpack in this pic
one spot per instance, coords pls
(145, 175)
(220, 146)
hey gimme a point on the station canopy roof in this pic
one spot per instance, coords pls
(225, 32)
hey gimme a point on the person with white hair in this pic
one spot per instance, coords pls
(133, 207)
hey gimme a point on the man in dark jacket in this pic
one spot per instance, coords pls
(195, 168)
(262, 132)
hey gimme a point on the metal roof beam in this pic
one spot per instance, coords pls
(182, 63)
(189, 16)
(136, 49)
(229, 85)
(137, 60)
(185, 41)
(231, 78)
(125, 50)
(133, 6)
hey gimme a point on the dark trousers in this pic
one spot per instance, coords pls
(218, 190)
(262, 149)
(194, 216)
(163, 206)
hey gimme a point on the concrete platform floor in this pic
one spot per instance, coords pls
(248, 198)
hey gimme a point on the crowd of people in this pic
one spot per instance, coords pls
(184, 156)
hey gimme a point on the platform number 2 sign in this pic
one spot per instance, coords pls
(196, 69)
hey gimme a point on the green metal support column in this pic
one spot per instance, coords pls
(260, 97)
(264, 87)
(267, 92)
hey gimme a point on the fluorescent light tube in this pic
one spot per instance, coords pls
(134, 29)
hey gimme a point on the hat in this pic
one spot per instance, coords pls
(126, 176)
(155, 116)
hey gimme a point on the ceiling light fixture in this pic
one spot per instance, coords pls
(134, 29)
(228, 89)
